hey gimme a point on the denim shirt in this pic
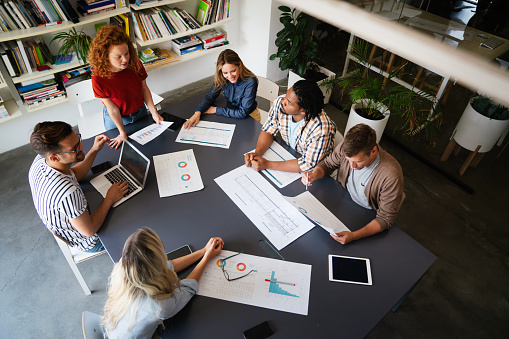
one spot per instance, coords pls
(240, 96)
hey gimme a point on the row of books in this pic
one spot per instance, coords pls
(41, 91)
(70, 77)
(22, 14)
(23, 56)
(154, 58)
(196, 42)
(122, 21)
(93, 7)
(158, 22)
(210, 11)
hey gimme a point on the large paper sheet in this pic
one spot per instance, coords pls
(208, 133)
(287, 289)
(150, 132)
(264, 206)
(177, 173)
(308, 205)
(276, 152)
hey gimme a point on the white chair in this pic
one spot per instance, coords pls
(92, 326)
(73, 257)
(92, 124)
(269, 90)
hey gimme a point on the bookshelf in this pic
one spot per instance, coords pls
(194, 55)
(159, 3)
(13, 110)
(147, 43)
(84, 20)
(8, 91)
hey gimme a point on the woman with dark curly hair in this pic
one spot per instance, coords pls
(119, 80)
(238, 84)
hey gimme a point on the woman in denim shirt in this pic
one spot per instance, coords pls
(239, 86)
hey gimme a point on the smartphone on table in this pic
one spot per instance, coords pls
(179, 252)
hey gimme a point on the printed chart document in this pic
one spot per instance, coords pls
(274, 284)
(150, 132)
(208, 133)
(275, 217)
(276, 152)
(312, 208)
(177, 173)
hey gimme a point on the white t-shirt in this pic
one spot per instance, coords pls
(294, 126)
(357, 180)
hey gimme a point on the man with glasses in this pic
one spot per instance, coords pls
(57, 195)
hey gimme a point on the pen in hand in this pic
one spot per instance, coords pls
(307, 180)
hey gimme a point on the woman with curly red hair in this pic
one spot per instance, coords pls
(119, 80)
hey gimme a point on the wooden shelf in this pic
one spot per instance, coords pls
(159, 3)
(191, 56)
(54, 69)
(179, 35)
(12, 109)
(35, 31)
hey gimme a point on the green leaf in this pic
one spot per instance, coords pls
(285, 9)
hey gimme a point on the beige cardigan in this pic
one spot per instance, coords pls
(384, 189)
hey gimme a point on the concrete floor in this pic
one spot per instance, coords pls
(464, 294)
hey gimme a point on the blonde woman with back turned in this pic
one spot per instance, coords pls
(144, 289)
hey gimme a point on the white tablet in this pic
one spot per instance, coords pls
(350, 270)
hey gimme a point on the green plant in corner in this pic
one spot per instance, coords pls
(295, 48)
(73, 41)
(417, 108)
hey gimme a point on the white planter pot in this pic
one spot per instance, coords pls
(377, 125)
(294, 77)
(475, 129)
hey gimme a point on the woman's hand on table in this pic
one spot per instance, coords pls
(192, 121)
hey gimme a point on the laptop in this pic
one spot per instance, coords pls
(132, 167)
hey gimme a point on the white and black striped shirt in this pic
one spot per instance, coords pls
(58, 198)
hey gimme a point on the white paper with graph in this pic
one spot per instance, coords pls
(276, 152)
(150, 132)
(312, 208)
(208, 133)
(274, 284)
(275, 217)
(177, 173)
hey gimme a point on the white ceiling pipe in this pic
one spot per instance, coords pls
(469, 69)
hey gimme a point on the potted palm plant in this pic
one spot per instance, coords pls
(297, 51)
(374, 98)
(73, 41)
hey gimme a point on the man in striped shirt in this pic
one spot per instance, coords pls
(57, 195)
(299, 117)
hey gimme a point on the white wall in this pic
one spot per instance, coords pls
(251, 34)
(259, 23)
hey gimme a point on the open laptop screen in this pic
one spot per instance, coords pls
(135, 163)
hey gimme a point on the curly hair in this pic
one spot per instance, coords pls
(98, 56)
(230, 57)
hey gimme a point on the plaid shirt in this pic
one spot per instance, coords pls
(315, 139)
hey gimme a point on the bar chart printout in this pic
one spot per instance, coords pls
(271, 283)
(150, 132)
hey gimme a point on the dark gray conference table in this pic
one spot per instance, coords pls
(336, 310)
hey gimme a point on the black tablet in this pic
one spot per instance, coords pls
(350, 270)
(177, 121)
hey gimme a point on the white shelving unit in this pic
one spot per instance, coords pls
(13, 110)
(142, 43)
(159, 3)
(8, 91)
(194, 55)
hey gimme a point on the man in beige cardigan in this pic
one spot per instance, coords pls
(372, 176)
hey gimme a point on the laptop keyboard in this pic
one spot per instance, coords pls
(117, 175)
